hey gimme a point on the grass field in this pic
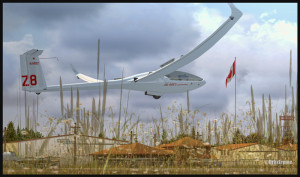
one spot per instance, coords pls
(150, 170)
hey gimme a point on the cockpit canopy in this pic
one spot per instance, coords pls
(179, 75)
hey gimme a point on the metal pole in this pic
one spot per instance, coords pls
(235, 110)
(131, 137)
(75, 148)
(26, 124)
(37, 108)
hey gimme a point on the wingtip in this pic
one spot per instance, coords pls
(235, 11)
(231, 5)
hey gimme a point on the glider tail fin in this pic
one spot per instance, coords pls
(32, 76)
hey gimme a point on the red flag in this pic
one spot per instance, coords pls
(231, 73)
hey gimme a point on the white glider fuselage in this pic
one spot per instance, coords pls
(157, 87)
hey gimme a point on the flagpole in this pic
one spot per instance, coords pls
(235, 111)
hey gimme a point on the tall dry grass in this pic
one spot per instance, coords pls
(61, 97)
(103, 103)
(296, 112)
(188, 101)
(217, 134)
(28, 118)
(253, 104)
(226, 127)
(121, 91)
(293, 103)
(270, 121)
(290, 73)
(37, 108)
(263, 114)
(26, 115)
(71, 104)
(94, 117)
(77, 107)
(33, 116)
(209, 133)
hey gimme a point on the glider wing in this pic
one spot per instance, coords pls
(198, 51)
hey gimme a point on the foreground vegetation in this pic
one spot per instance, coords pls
(151, 170)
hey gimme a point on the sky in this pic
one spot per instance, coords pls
(139, 38)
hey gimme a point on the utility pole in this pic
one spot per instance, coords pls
(131, 136)
(75, 133)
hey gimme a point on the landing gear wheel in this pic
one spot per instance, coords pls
(156, 97)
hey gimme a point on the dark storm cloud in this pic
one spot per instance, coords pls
(242, 75)
(47, 13)
(22, 18)
(9, 70)
(209, 98)
(131, 33)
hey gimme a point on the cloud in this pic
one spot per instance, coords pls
(265, 15)
(272, 20)
(43, 14)
(11, 51)
(15, 47)
(139, 34)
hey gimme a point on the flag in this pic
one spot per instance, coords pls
(231, 73)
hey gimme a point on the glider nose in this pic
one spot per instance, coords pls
(201, 83)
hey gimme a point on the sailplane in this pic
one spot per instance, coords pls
(166, 79)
